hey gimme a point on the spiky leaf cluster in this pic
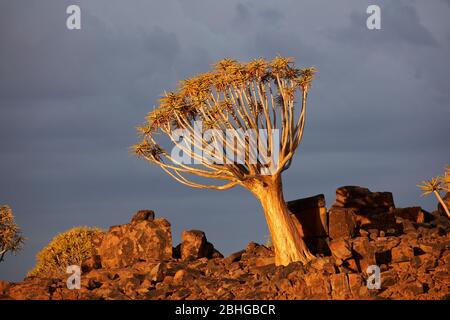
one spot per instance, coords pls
(258, 94)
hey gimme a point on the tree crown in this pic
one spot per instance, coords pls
(242, 96)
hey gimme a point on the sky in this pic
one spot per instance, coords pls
(378, 113)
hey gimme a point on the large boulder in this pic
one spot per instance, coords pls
(365, 201)
(194, 245)
(341, 223)
(145, 239)
(312, 214)
(415, 214)
(143, 215)
(310, 218)
(359, 208)
(364, 253)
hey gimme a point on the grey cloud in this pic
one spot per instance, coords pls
(400, 24)
(94, 60)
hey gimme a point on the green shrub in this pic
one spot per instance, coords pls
(67, 248)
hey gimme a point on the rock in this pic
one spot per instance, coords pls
(402, 253)
(33, 289)
(383, 257)
(425, 261)
(340, 288)
(264, 261)
(383, 221)
(143, 215)
(324, 264)
(93, 284)
(129, 286)
(318, 285)
(388, 278)
(234, 257)
(364, 200)
(415, 214)
(365, 209)
(412, 289)
(180, 276)
(363, 233)
(413, 266)
(318, 245)
(311, 213)
(364, 253)
(4, 286)
(356, 285)
(341, 223)
(157, 273)
(147, 240)
(195, 245)
(92, 263)
(340, 249)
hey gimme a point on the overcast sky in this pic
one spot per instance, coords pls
(378, 117)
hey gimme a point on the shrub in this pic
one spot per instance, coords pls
(67, 248)
(11, 239)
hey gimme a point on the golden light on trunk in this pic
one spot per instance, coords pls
(287, 238)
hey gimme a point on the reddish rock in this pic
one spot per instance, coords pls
(91, 263)
(364, 200)
(157, 273)
(402, 253)
(340, 288)
(33, 289)
(146, 240)
(324, 264)
(388, 279)
(364, 253)
(419, 271)
(143, 215)
(234, 257)
(341, 223)
(382, 221)
(365, 209)
(415, 214)
(312, 214)
(4, 286)
(356, 285)
(195, 245)
(341, 249)
(318, 285)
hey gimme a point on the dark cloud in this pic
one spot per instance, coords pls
(400, 24)
(69, 102)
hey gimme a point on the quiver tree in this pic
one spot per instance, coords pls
(11, 239)
(255, 102)
(435, 186)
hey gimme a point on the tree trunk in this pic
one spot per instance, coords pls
(438, 196)
(287, 240)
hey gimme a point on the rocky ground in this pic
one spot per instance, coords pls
(362, 228)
